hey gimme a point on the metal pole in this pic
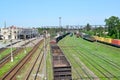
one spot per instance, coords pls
(5, 24)
(45, 55)
(24, 39)
(25, 43)
(60, 23)
(11, 47)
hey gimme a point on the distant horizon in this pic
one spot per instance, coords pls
(37, 13)
(55, 26)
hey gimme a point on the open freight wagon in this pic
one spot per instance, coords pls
(61, 66)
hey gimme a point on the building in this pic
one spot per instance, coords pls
(14, 32)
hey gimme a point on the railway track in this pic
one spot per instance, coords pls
(105, 59)
(34, 73)
(7, 58)
(5, 48)
(101, 69)
(88, 60)
(111, 75)
(92, 62)
(2, 49)
(11, 75)
(81, 70)
(79, 76)
(107, 45)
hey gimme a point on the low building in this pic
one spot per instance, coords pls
(14, 32)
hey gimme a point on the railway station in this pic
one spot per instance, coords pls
(64, 57)
(59, 40)
(67, 55)
(17, 33)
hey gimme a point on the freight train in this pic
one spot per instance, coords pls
(109, 41)
(87, 37)
(60, 64)
(61, 37)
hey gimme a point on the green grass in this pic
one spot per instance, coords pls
(89, 53)
(10, 65)
(49, 69)
(4, 53)
(49, 66)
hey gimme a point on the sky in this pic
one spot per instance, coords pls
(36, 13)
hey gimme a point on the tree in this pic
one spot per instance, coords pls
(100, 31)
(88, 27)
(113, 24)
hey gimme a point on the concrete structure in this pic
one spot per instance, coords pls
(14, 32)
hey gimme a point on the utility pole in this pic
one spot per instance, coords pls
(45, 78)
(5, 24)
(25, 42)
(60, 24)
(11, 45)
(59, 21)
(4, 36)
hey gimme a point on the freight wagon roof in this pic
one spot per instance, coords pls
(60, 64)
(60, 61)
